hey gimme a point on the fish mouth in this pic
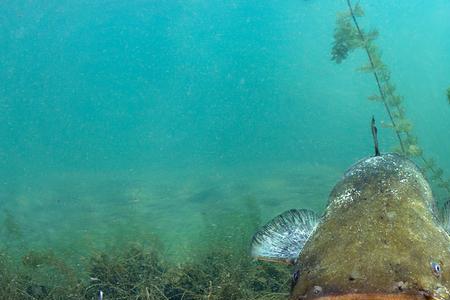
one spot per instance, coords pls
(375, 296)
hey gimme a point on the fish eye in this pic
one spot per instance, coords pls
(436, 268)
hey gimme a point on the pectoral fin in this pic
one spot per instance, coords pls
(283, 238)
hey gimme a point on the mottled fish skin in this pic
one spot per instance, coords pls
(378, 239)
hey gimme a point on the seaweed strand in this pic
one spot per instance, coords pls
(375, 74)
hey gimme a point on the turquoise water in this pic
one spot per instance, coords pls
(141, 120)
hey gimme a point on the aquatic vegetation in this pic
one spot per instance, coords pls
(349, 36)
(140, 273)
(222, 274)
(132, 272)
(219, 267)
(40, 276)
(45, 275)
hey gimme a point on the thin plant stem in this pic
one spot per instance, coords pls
(382, 94)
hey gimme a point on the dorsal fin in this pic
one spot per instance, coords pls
(283, 238)
(375, 136)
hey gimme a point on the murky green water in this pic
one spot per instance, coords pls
(179, 124)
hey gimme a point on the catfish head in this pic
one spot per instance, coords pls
(380, 237)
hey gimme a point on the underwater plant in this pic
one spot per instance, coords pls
(349, 36)
(218, 268)
(136, 272)
(221, 272)
(133, 272)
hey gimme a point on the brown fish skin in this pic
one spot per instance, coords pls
(378, 239)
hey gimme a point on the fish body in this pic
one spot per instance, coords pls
(379, 238)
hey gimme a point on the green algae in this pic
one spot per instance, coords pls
(218, 266)
(140, 273)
